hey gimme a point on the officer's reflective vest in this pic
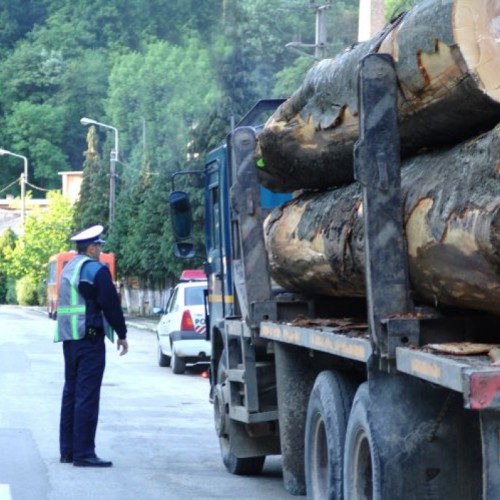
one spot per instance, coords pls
(71, 304)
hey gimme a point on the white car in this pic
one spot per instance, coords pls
(182, 331)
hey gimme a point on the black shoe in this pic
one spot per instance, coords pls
(66, 459)
(92, 462)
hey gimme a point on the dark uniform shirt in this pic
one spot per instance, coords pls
(99, 292)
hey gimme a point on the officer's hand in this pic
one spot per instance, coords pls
(123, 344)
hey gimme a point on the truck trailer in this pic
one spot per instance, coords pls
(379, 397)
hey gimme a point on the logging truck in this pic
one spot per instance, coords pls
(355, 328)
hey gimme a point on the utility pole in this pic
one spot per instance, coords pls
(113, 158)
(320, 44)
(23, 199)
(371, 18)
(320, 40)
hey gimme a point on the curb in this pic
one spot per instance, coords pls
(140, 326)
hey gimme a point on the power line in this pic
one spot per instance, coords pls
(7, 187)
(39, 188)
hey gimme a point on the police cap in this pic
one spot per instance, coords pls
(89, 235)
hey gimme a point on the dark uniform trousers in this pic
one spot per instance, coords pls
(84, 362)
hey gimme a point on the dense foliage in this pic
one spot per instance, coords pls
(7, 284)
(45, 234)
(24, 259)
(168, 74)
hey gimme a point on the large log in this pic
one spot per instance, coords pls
(447, 55)
(452, 221)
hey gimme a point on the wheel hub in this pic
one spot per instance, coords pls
(220, 412)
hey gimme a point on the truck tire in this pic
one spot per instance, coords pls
(408, 439)
(178, 364)
(163, 360)
(295, 376)
(326, 423)
(225, 428)
(362, 479)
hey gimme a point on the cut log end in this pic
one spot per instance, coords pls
(477, 32)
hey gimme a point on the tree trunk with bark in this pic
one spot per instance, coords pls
(448, 68)
(451, 204)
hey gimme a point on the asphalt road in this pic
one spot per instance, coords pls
(155, 426)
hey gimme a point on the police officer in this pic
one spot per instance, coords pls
(88, 310)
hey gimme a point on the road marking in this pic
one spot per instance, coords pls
(5, 492)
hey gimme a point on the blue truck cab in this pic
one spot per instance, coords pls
(218, 173)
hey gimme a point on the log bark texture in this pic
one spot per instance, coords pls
(447, 59)
(451, 203)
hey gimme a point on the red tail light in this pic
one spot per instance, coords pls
(187, 321)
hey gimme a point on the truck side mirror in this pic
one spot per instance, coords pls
(180, 212)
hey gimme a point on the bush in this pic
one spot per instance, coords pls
(26, 290)
(41, 291)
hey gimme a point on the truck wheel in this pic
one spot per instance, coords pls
(326, 423)
(361, 457)
(407, 439)
(163, 360)
(178, 364)
(248, 466)
(225, 428)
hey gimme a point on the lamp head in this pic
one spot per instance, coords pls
(87, 121)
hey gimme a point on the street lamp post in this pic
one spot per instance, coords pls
(113, 159)
(24, 180)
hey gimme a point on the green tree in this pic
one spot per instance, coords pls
(84, 88)
(120, 25)
(31, 72)
(290, 78)
(168, 88)
(7, 244)
(34, 130)
(92, 206)
(45, 234)
(18, 18)
(121, 239)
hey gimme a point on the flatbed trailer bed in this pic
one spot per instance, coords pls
(475, 377)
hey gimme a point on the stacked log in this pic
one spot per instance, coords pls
(447, 56)
(451, 201)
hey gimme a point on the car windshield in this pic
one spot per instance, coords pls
(194, 296)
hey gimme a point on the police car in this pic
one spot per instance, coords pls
(181, 331)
